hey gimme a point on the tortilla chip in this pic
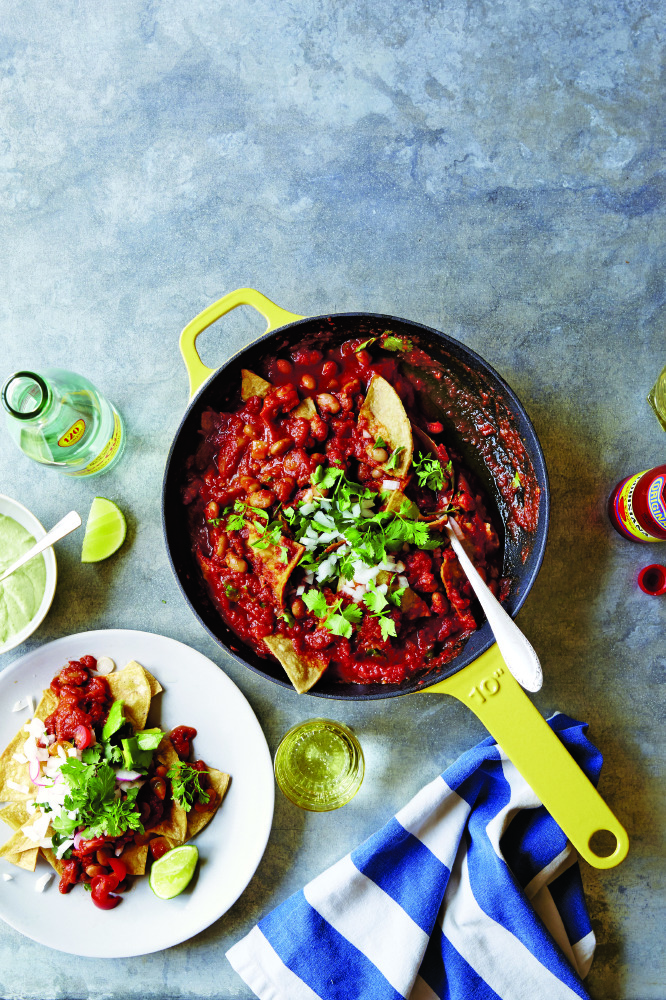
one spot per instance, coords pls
(267, 564)
(305, 409)
(253, 385)
(155, 686)
(15, 815)
(302, 669)
(11, 770)
(196, 821)
(135, 857)
(386, 418)
(46, 705)
(56, 863)
(131, 686)
(14, 852)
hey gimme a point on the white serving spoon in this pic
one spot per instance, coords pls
(516, 651)
(69, 523)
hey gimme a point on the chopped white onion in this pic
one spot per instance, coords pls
(43, 882)
(391, 484)
(20, 704)
(367, 434)
(127, 775)
(20, 758)
(23, 789)
(7, 877)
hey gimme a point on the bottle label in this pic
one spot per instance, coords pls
(624, 511)
(107, 453)
(73, 435)
(655, 499)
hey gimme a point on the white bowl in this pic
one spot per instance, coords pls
(14, 509)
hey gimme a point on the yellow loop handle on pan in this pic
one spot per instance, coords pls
(274, 316)
(488, 688)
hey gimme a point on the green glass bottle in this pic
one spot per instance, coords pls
(61, 420)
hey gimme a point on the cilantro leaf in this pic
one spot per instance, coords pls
(186, 785)
(393, 458)
(373, 598)
(516, 481)
(429, 472)
(393, 343)
(387, 625)
(91, 801)
(316, 603)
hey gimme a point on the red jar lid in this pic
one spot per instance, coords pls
(652, 579)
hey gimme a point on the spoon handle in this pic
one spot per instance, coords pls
(69, 523)
(516, 651)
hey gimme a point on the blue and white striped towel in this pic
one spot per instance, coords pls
(471, 892)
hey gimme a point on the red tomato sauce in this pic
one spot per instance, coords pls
(264, 456)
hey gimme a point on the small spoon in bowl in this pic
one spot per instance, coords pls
(68, 523)
(516, 651)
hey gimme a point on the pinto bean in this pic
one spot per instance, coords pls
(377, 473)
(259, 450)
(222, 545)
(317, 458)
(351, 387)
(235, 563)
(249, 431)
(318, 428)
(263, 499)
(327, 403)
(379, 455)
(279, 447)
(308, 381)
(298, 608)
(364, 358)
(329, 368)
(212, 509)
(284, 366)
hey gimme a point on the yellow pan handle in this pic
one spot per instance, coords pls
(274, 316)
(488, 688)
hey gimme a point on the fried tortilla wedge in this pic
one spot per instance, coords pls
(386, 418)
(131, 686)
(17, 853)
(302, 669)
(196, 821)
(305, 409)
(267, 562)
(253, 385)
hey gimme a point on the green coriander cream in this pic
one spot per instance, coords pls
(21, 593)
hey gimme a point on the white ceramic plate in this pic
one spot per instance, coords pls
(27, 520)
(196, 693)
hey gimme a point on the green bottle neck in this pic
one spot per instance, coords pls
(26, 395)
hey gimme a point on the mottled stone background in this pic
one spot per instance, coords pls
(494, 170)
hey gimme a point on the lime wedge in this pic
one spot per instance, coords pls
(105, 531)
(172, 872)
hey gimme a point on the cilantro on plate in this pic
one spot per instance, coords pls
(186, 785)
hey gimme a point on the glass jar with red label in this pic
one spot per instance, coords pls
(637, 506)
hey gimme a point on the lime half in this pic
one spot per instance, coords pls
(172, 872)
(105, 531)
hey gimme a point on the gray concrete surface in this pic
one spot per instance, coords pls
(492, 170)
